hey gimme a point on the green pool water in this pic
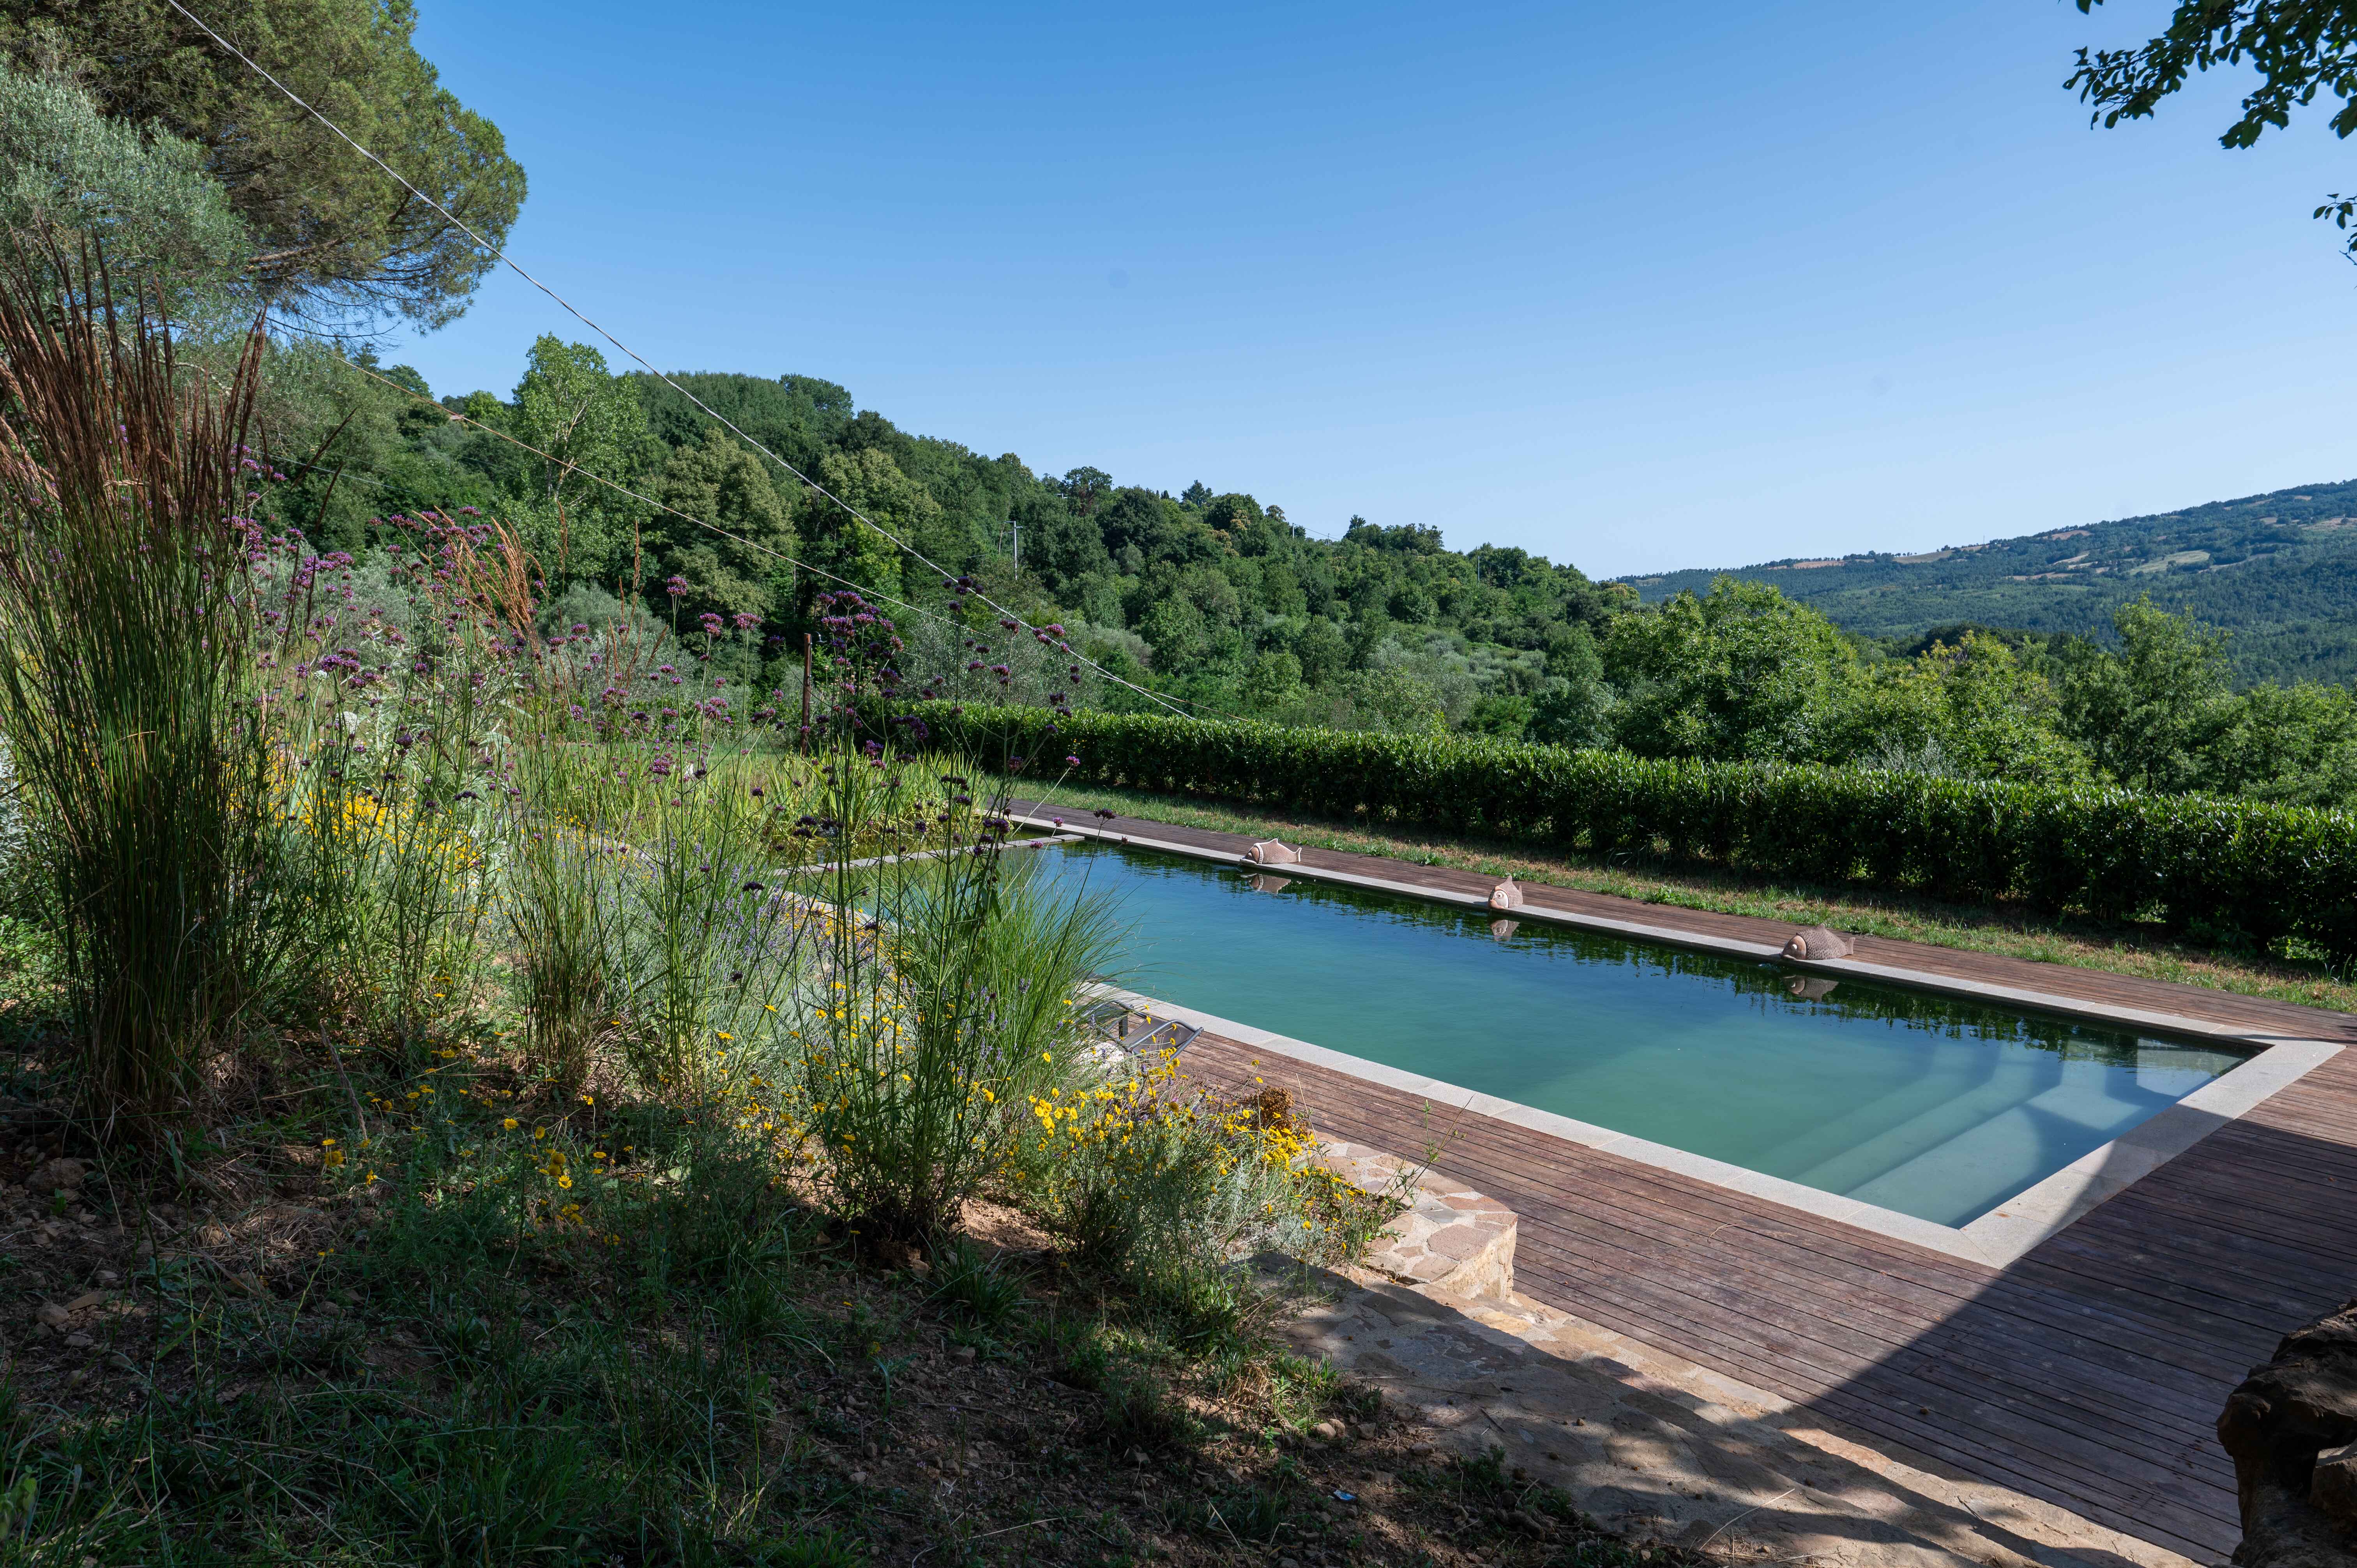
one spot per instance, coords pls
(1937, 1108)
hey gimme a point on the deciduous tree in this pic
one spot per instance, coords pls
(2299, 47)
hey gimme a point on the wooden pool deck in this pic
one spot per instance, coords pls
(2086, 1373)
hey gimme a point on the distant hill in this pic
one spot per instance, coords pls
(2279, 571)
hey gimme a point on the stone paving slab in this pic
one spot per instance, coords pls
(1449, 1237)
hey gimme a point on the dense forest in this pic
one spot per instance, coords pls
(2276, 570)
(1215, 604)
(1212, 600)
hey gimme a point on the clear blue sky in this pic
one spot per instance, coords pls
(1635, 286)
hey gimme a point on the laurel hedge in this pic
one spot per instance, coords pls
(2241, 870)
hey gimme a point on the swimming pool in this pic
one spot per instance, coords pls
(1935, 1107)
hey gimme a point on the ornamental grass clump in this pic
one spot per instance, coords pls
(946, 986)
(702, 940)
(155, 848)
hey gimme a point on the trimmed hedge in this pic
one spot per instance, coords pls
(2230, 869)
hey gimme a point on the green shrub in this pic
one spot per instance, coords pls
(2243, 871)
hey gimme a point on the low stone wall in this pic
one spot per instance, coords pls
(1448, 1239)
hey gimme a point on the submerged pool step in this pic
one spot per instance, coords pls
(1972, 1156)
(1941, 1093)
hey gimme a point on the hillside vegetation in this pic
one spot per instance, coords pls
(635, 504)
(2274, 570)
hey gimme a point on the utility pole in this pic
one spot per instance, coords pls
(1017, 527)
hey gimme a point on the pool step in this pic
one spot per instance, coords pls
(1448, 1239)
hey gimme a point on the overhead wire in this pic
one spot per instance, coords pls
(496, 253)
(753, 545)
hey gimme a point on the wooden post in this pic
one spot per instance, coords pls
(806, 690)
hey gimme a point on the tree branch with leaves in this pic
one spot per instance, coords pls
(2299, 47)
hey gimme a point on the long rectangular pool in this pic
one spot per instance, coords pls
(1935, 1107)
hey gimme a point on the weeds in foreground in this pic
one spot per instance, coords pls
(570, 1316)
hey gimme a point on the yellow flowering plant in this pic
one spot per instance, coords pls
(1143, 1175)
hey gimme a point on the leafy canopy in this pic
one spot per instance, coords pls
(2299, 47)
(568, 406)
(338, 239)
(69, 172)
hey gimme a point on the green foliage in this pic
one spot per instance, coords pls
(2249, 871)
(2149, 713)
(144, 199)
(1166, 1188)
(858, 552)
(1274, 679)
(2300, 48)
(979, 1287)
(1742, 672)
(1218, 601)
(797, 417)
(337, 236)
(916, 1057)
(1575, 707)
(1971, 709)
(2274, 569)
(745, 570)
(570, 408)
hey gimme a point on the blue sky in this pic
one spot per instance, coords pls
(1635, 287)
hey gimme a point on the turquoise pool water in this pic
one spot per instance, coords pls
(1936, 1108)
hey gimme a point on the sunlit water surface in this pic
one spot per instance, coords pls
(1937, 1108)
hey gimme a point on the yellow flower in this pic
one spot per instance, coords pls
(509, 1123)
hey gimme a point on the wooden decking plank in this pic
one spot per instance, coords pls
(2311, 1118)
(2137, 1382)
(2174, 1422)
(2112, 1275)
(2124, 1454)
(2093, 1308)
(2285, 1246)
(1937, 1437)
(1888, 1294)
(2157, 1399)
(1723, 1331)
(2156, 1514)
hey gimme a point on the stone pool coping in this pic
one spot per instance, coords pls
(1997, 1239)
